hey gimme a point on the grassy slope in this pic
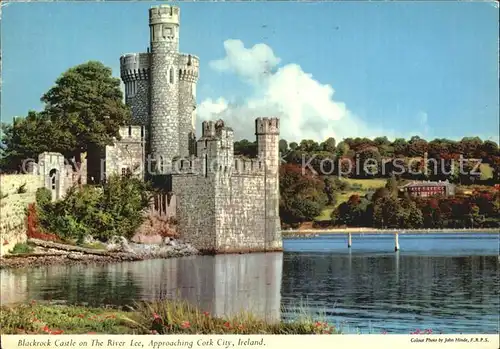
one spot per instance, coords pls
(366, 185)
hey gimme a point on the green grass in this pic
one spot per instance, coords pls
(367, 184)
(325, 214)
(486, 171)
(161, 317)
(362, 187)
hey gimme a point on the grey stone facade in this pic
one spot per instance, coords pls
(127, 156)
(223, 203)
(134, 71)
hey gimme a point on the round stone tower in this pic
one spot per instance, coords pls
(189, 66)
(134, 71)
(164, 39)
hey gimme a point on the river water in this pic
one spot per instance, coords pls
(447, 283)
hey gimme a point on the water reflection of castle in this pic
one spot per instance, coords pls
(221, 284)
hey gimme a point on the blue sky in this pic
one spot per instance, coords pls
(326, 69)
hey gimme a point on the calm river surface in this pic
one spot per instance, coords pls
(448, 283)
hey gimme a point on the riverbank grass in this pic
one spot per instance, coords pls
(162, 317)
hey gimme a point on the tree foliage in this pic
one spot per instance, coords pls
(85, 107)
(115, 209)
(302, 196)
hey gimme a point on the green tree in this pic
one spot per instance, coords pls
(87, 103)
(302, 196)
(329, 145)
(392, 185)
(84, 108)
(283, 146)
(417, 146)
(245, 148)
(309, 145)
(387, 212)
(342, 149)
(411, 215)
(400, 147)
(29, 136)
(370, 162)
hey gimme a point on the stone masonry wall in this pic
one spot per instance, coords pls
(128, 153)
(195, 210)
(12, 208)
(139, 102)
(267, 132)
(10, 184)
(188, 77)
(134, 71)
(240, 204)
(164, 77)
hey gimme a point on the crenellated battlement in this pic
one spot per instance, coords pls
(134, 66)
(208, 129)
(132, 133)
(189, 67)
(164, 14)
(248, 166)
(267, 126)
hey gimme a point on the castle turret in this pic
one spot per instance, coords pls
(134, 71)
(267, 133)
(188, 77)
(164, 35)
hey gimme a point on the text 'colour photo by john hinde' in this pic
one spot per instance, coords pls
(228, 174)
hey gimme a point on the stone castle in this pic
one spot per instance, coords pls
(221, 202)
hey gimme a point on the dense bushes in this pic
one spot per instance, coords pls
(115, 209)
(302, 196)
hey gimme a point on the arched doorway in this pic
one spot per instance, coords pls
(54, 186)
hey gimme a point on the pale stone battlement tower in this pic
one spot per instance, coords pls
(160, 88)
(223, 202)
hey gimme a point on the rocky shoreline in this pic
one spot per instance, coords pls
(118, 249)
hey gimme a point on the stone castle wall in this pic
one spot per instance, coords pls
(127, 154)
(195, 210)
(13, 208)
(10, 184)
(240, 213)
(19, 190)
(222, 203)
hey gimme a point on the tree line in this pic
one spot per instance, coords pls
(304, 195)
(440, 159)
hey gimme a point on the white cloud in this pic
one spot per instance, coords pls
(306, 107)
(252, 64)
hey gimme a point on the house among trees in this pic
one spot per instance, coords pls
(428, 188)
